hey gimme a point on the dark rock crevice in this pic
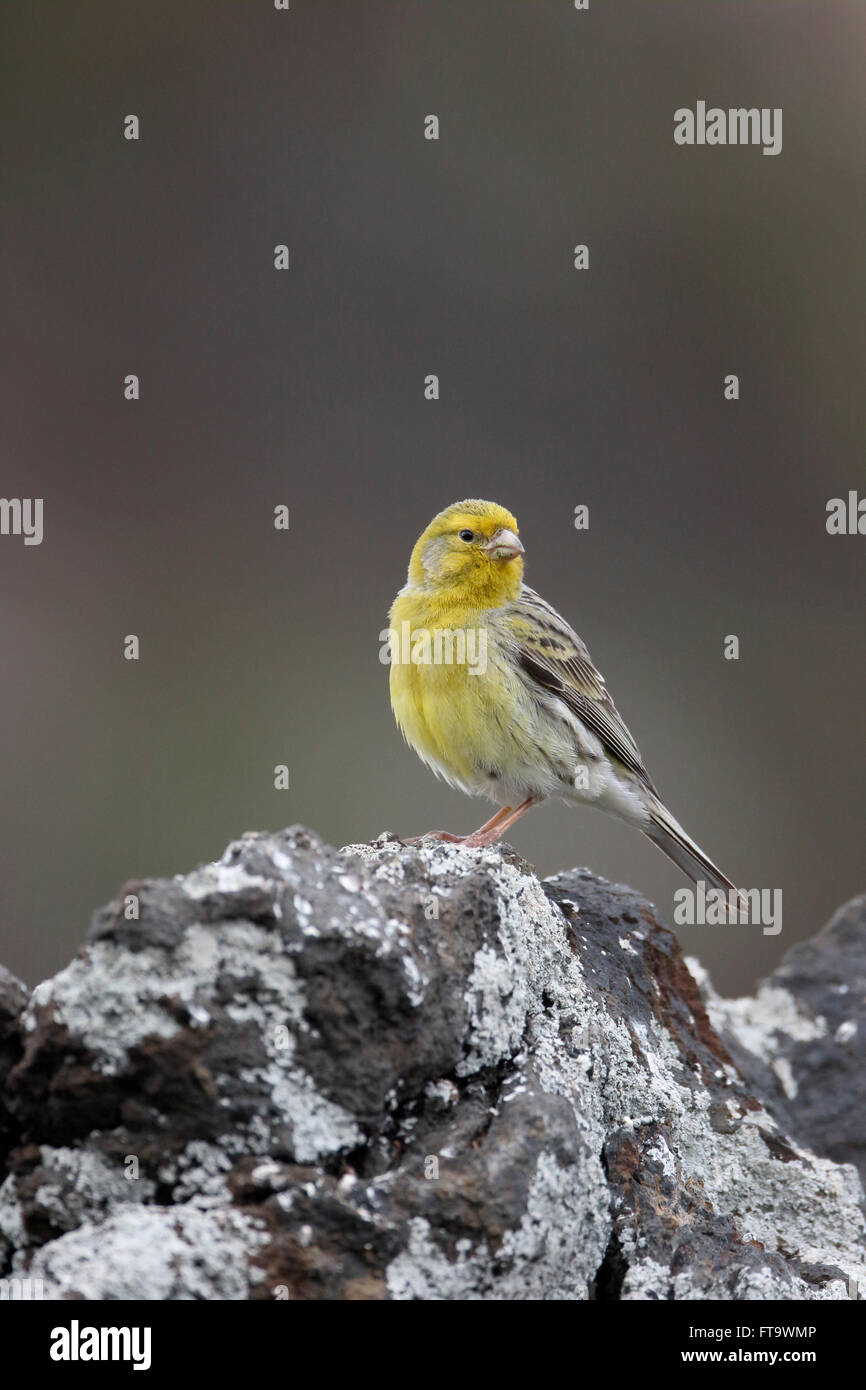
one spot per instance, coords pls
(610, 1278)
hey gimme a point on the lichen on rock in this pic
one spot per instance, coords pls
(419, 1072)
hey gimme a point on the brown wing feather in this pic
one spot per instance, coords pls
(553, 656)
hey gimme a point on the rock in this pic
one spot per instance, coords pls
(13, 997)
(802, 1040)
(418, 1072)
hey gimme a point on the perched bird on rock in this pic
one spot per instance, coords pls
(498, 695)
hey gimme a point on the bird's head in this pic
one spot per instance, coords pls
(472, 551)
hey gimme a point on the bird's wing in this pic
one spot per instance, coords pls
(553, 656)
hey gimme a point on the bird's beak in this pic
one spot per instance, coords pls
(504, 545)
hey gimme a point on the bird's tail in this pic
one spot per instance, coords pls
(673, 841)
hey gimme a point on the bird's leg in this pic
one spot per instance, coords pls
(494, 829)
(461, 839)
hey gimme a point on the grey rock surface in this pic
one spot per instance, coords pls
(419, 1072)
(802, 1040)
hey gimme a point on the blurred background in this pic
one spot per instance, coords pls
(305, 388)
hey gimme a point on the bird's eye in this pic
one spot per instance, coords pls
(467, 535)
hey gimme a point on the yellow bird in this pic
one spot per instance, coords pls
(498, 695)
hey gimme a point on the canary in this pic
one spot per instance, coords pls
(498, 695)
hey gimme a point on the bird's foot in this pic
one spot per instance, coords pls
(473, 841)
(435, 835)
(482, 837)
(487, 834)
